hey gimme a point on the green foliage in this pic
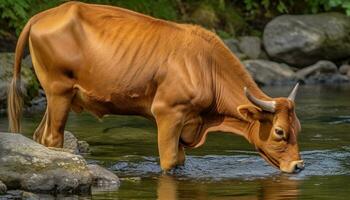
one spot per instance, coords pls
(327, 5)
(165, 9)
(15, 12)
(298, 6)
(226, 17)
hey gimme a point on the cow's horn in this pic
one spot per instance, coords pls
(293, 94)
(265, 105)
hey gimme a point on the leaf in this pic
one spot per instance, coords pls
(248, 4)
(281, 7)
(265, 3)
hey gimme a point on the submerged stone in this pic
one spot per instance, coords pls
(3, 188)
(103, 179)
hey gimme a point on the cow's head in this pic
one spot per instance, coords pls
(274, 127)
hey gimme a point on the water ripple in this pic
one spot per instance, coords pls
(218, 167)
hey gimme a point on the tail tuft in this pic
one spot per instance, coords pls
(14, 105)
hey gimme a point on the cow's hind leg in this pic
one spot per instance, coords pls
(38, 134)
(51, 129)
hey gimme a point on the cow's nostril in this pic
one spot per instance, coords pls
(299, 166)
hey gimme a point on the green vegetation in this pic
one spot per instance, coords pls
(226, 17)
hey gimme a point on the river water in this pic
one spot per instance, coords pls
(226, 167)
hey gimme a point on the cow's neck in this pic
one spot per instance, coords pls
(227, 125)
(230, 79)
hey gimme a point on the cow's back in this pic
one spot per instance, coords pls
(114, 58)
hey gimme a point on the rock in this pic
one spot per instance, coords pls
(20, 194)
(27, 165)
(72, 143)
(321, 67)
(3, 188)
(233, 45)
(302, 40)
(83, 147)
(30, 84)
(345, 69)
(29, 196)
(327, 79)
(267, 72)
(323, 72)
(27, 61)
(103, 177)
(250, 46)
(37, 105)
(263, 56)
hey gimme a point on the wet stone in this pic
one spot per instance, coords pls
(73, 144)
(19, 194)
(3, 188)
(83, 147)
(103, 177)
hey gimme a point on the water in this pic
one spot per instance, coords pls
(226, 167)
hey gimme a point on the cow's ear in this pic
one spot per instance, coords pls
(249, 112)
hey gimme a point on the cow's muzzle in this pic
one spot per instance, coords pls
(293, 167)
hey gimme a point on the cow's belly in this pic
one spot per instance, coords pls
(121, 103)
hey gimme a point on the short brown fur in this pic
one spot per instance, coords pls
(109, 60)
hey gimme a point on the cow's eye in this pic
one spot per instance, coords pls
(279, 133)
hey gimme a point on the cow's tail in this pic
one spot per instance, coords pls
(15, 99)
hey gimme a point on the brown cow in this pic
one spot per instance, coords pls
(109, 60)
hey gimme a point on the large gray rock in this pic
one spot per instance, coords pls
(266, 72)
(30, 84)
(27, 165)
(250, 46)
(301, 40)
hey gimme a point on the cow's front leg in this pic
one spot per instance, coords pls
(169, 123)
(181, 157)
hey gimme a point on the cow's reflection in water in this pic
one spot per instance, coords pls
(167, 188)
(274, 188)
(282, 188)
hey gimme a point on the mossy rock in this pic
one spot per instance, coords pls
(27, 165)
(302, 40)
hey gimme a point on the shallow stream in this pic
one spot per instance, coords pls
(226, 167)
